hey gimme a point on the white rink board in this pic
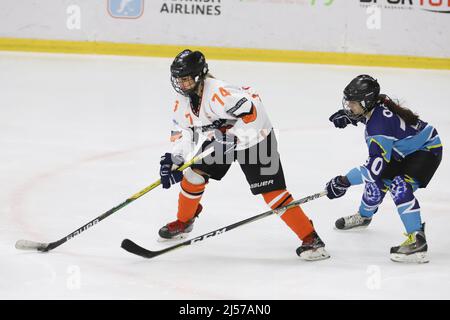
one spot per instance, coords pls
(306, 25)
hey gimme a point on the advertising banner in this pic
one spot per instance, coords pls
(392, 27)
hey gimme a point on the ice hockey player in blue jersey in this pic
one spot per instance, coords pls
(404, 154)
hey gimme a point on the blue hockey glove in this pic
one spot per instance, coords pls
(340, 119)
(337, 187)
(169, 177)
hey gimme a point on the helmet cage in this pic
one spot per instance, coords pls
(349, 112)
(176, 84)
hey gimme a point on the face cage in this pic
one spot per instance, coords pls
(185, 93)
(350, 114)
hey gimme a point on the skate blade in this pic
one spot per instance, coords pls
(360, 228)
(174, 239)
(419, 257)
(314, 255)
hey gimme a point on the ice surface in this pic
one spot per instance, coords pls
(80, 134)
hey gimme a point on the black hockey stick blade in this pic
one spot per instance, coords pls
(136, 249)
(132, 247)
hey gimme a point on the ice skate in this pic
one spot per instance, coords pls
(177, 229)
(413, 250)
(355, 221)
(312, 248)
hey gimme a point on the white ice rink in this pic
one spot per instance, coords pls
(80, 134)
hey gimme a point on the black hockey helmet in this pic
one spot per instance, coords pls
(188, 63)
(363, 89)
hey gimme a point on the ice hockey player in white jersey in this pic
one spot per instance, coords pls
(232, 120)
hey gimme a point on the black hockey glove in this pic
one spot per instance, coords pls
(169, 177)
(337, 187)
(340, 119)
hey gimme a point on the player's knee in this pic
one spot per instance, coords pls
(400, 189)
(372, 194)
(195, 176)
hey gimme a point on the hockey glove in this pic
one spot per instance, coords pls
(337, 187)
(340, 119)
(169, 177)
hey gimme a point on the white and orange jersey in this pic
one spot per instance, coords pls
(240, 108)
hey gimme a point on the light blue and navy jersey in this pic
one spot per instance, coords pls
(389, 138)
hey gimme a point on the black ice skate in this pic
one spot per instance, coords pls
(312, 248)
(414, 249)
(354, 221)
(177, 229)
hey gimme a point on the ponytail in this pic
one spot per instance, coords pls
(407, 115)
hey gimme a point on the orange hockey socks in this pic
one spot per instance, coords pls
(189, 199)
(294, 217)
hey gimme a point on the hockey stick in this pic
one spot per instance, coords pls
(134, 248)
(44, 247)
